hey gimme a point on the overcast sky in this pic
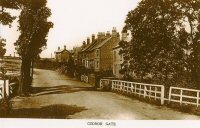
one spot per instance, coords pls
(75, 20)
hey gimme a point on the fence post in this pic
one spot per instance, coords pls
(7, 88)
(112, 84)
(155, 93)
(101, 83)
(132, 88)
(181, 97)
(149, 92)
(145, 89)
(121, 86)
(135, 88)
(162, 95)
(197, 99)
(1, 91)
(140, 90)
(170, 92)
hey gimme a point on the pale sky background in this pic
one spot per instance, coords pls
(74, 21)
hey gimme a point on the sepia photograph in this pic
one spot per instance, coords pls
(100, 63)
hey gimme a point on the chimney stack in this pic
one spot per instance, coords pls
(107, 34)
(84, 44)
(88, 40)
(64, 47)
(93, 38)
(101, 35)
(58, 48)
(114, 31)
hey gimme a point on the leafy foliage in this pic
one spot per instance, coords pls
(5, 17)
(2, 49)
(161, 44)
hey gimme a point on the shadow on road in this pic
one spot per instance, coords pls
(57, 111)
(37, 91)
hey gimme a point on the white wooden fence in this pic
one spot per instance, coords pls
(146, 90)
(84, 78)
(184, 96)
(2, 88)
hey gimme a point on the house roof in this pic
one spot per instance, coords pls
(101, 43)
(76, 49)
(61, 50)
(89, 46)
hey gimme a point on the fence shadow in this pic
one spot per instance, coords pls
(57, 111)
(37, 91)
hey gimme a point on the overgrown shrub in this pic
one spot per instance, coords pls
(5, 107)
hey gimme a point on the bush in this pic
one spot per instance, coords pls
(5, 107)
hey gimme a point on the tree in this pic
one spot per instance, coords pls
(5, 17)
(70, 66)
(124, 45)
(2, 49)
(190, 11)
(34, 27)
(161, 44)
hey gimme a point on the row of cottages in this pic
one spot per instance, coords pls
(62, 55)
(98, 54)
(101, 53)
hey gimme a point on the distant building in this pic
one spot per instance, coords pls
(62, 55)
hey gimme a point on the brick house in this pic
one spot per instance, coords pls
(62, 55)
(98, 54)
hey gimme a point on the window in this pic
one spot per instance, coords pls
(97, 52)
(97, 64)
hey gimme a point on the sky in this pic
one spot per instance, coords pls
(74, 21)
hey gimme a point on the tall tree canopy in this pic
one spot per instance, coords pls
(161, 44)
(34, 27)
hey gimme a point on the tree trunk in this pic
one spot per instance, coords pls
(25, 79)
(27, 74)
(32, 70)
(21, 81)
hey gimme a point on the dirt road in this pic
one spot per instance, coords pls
(57, 96)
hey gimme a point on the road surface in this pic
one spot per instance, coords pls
(58, 96)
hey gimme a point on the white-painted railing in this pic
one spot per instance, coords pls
(184, 96)
(84, 78)
(146, 90)
(1, 91)
(2, 88)
(105, 83)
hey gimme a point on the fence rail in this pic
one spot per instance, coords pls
(140, 89)
(184, 96)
